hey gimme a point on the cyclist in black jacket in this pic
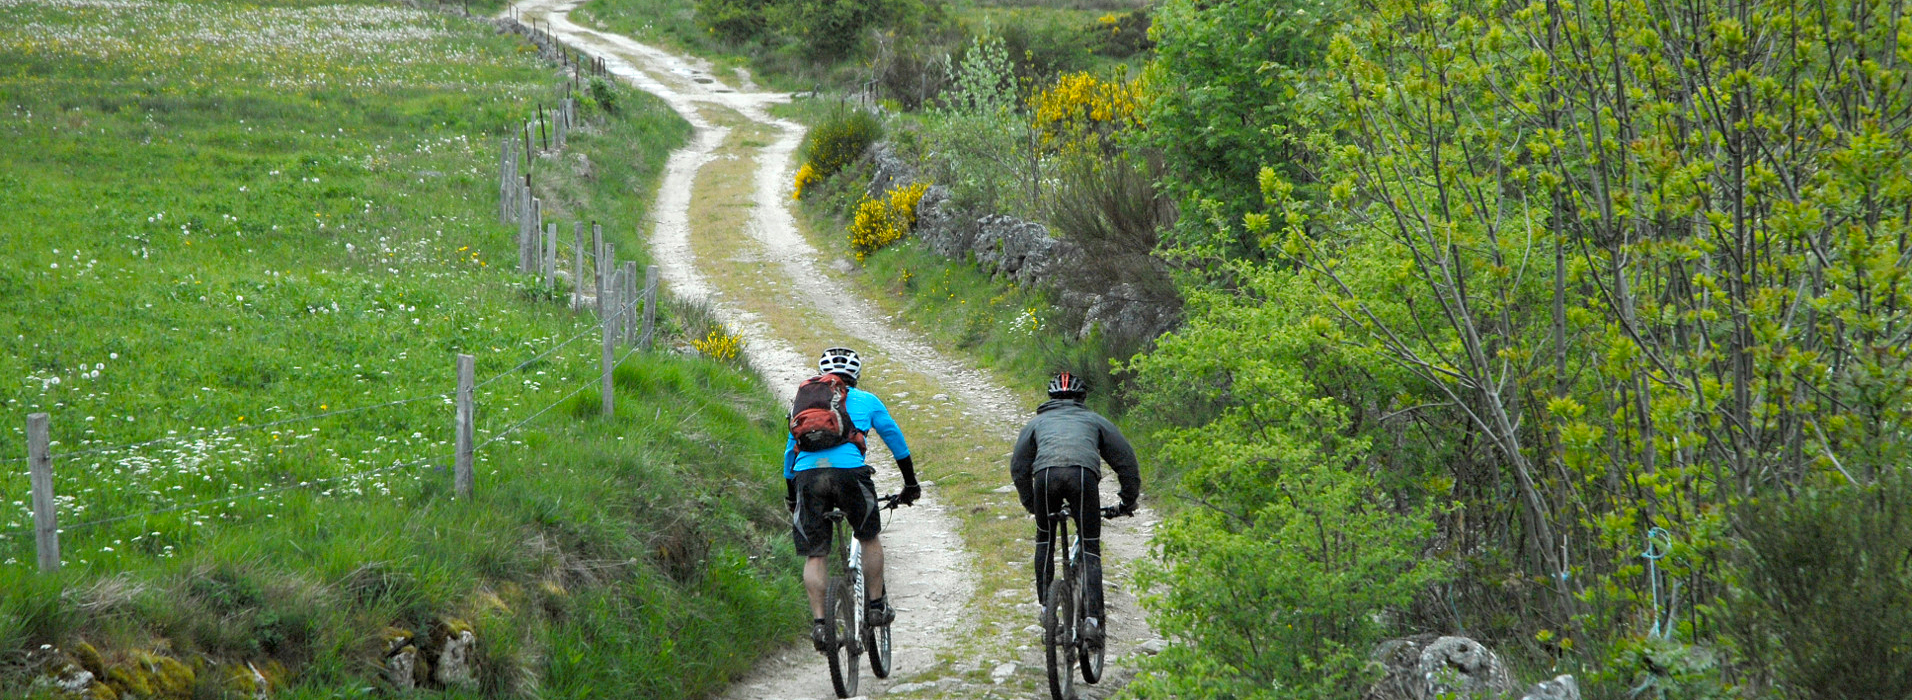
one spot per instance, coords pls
(1057, 460)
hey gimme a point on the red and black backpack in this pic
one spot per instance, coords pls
(820, 417)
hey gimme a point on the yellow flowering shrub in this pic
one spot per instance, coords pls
(880, 221)
(806, 176)
(720, 345)
(1081, 103)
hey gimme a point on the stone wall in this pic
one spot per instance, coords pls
(1029, 254)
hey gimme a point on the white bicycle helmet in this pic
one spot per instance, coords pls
(841, 361)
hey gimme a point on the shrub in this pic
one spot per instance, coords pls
(1827, 577)
(806, 176)
(839, 141)
(1080, 104)
(603, 95)
(734, 20)
(1121, 36)
(1282, 575)
(719, 344)
(881, 221)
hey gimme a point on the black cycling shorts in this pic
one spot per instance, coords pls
(824, 489)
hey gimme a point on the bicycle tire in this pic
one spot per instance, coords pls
(842, 662)
(1058, 638)
(1091, 663)
(877, 643)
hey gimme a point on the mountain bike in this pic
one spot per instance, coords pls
(849, 634)
(1062, 615)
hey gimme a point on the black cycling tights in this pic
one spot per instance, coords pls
(1077, 487)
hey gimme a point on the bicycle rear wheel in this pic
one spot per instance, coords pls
(842, 608)
(1091, 660)
(1059, 638)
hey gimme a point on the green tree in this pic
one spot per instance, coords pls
(1282, 575)
(1232, 86)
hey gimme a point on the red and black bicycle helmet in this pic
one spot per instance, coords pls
(1067, 385)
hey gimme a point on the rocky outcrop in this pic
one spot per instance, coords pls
(1428, 667)
(1431, 667)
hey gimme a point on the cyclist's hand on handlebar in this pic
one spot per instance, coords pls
(1112, 512)
(911, 492)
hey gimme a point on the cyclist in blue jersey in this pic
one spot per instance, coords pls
(837, 478)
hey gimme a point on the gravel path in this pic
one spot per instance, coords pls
(929, 567)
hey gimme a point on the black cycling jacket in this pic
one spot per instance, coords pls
(1064, 433)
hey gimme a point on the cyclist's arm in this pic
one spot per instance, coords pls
(1121, 457)
(885, 427)
(790, 457)
(1022, 463)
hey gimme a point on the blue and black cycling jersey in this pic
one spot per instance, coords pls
(869, 415)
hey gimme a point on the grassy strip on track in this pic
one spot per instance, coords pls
(229, 214)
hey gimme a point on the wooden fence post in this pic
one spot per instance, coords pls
(577, 264)
(650, 306)
(550, 261)
(597, 253)
(46, 526)
(505, 166)
(597, 273)
(630, 302)
(461, 472)
(607, 314)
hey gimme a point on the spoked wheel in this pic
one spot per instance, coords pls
(1091, 660)
(1059, 638)
(877, 641)
(846, 618)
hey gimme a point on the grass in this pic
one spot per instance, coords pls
(230, 215)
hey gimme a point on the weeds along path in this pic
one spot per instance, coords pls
(723, 234)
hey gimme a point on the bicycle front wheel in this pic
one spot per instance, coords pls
(1059, 638)
(1091, 659)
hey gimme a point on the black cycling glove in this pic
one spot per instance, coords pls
(911, 490)
(790, 495)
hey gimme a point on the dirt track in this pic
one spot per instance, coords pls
(737, 170)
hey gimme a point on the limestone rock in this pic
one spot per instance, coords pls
(941, 226)
(401, 668)
(63, 678)
(1002, 672)
(887, 170)
(452, 668)
(1562, 687)
(1427, 667)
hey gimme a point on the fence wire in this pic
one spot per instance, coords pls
(507, 431)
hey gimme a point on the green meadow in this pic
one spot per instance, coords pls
(244, 244)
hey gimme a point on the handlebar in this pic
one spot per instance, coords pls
(889, 502)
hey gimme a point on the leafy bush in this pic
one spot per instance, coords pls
(1828, 589)
(739, 21)
(1227, 103)
(603, 95)
(975, 142)
(839, 141)
(1121, 36)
